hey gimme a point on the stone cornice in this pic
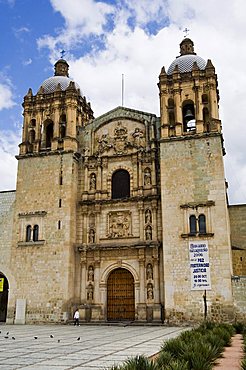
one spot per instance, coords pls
(118, 201)
(76, 155)
(190, 137)
(122, 112)
(32, 214)
(194, 205)
(117, 245)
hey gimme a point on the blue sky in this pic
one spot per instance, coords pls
(104, 39)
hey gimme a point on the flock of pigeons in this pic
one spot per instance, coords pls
(51, 336)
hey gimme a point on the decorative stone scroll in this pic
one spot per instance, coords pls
(119, 224)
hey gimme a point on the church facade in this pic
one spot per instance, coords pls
(124, 216)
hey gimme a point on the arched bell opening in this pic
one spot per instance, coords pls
(4, 292)
(188, 112)
(120, 296)
(205, 114)
(63, 125)
(48, 134)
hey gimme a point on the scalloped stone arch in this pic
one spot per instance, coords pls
(110, 174)
(114, 266)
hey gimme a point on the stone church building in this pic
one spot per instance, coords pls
(124, 216)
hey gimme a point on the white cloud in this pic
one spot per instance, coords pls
(9, 141)
(217, 29)
(82, 18)
(27, 62)
(6, 96)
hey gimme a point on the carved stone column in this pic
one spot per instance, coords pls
(154, 219)
(96, 281)
(141, 257)
(85, 223)
(83, 277)
(99, 177)
(156, 275)
(141, 221)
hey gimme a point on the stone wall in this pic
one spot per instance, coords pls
(239, 294)
(239, 262)
(7, 199)
(237, 214)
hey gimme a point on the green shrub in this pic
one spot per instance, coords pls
(223, 334)
(243, 364)
(239, 327)
(137, 363)
(176, 347)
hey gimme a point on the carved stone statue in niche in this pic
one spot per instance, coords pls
(148, 216)
(90, 292)
(138, 138)
(91, 273)
(93, 180)
(150, 292)
(148, 233)
(149, 272)
(92, 236)
(147, 177)
(119, 224)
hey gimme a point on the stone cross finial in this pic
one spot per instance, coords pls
(63, 52)
(186, 31)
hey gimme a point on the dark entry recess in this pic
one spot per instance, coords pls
(120, 296)
(4, 290)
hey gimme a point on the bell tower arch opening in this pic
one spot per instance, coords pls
(120, 296)
(4, 292)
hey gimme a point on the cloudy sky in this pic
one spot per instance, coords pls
(108, 38)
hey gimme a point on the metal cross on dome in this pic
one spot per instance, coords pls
(63, 52)
(186, 31)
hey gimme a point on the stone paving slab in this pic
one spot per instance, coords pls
(87, 347)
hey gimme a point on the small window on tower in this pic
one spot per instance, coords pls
(193, 228)
(202, 224)
(35, 233)
(28, 233)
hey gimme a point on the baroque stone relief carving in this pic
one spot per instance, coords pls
(121, 140)
(119, 224)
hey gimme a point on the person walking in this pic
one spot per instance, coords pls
(76, 317)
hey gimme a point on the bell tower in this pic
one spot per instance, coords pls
(193, 192)
(46, 196)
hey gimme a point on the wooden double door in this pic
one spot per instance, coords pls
(120, 296)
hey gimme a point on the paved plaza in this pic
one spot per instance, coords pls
(87, 347)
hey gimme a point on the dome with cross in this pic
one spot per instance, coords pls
(187, 57)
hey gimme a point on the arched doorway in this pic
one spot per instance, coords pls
(4, 290)
(120, 296)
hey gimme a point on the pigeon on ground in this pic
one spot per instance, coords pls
(78, 338)
(13, 338)
(35, 337)
(58, 341)
(7, 333)
(51, 336)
